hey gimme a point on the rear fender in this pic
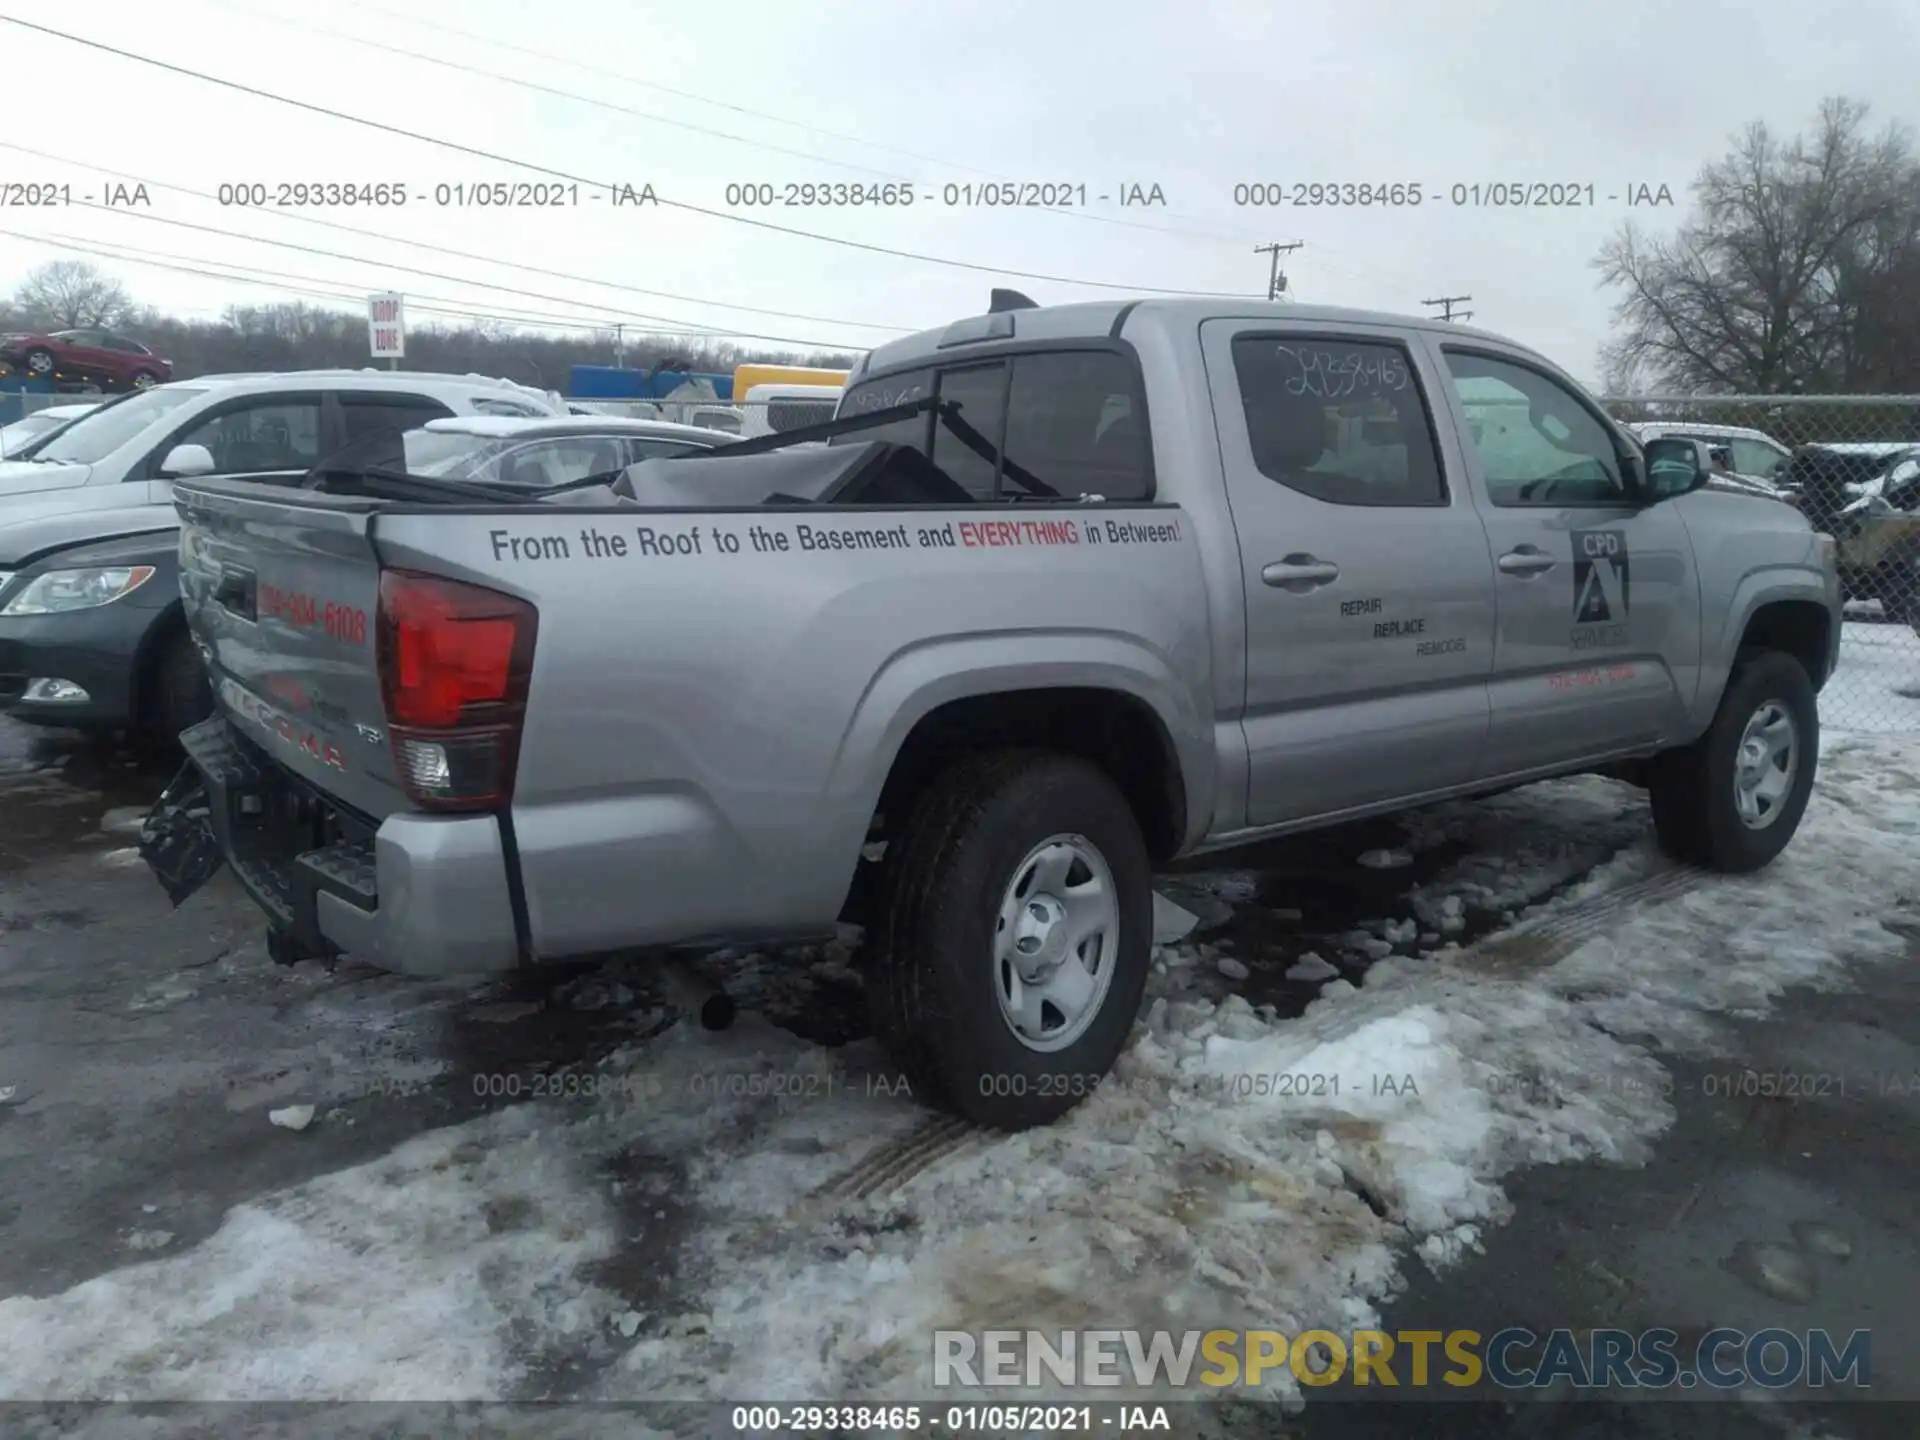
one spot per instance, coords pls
(917, 681)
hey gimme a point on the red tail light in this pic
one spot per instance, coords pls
(454, 664)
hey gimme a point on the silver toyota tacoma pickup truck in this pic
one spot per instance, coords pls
(1071, 591)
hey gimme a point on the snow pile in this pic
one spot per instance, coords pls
(1237, 1169)
(397, 1280)
(1242, 1170)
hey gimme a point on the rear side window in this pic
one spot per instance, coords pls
(1342, 421)
(1074, 428)
(1051, 424)
(1752, 457)
(968, 425)
(884, 394)
(364, 416)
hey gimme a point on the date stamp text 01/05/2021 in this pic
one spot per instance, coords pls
(487, 194)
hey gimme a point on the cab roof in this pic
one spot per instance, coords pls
(1100, 319)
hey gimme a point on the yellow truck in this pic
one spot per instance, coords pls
(746, 377)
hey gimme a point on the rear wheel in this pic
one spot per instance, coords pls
(180, 696)
(1009, 961)
(1732, 800)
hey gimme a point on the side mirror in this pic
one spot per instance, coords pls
(183, 462)
(1673, 468)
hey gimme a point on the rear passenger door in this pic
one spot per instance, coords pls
(1367, 575)
(1598, 594)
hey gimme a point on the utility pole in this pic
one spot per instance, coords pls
(1448, 302)
(619, 347)
(1277, 282)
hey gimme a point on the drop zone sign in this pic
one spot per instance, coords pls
(386, 326)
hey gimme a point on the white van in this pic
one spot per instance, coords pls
(776, 409)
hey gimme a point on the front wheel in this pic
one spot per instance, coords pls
(144, 380)
(1013, 950)
(1732, 800)
(39, 362)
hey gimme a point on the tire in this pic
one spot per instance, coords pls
(179, 693)
(935, 976)
(142, 380)
(1694, 790)
(38, 362)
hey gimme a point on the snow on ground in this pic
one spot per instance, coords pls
(1876, 688)
(1238, 1169)
(397, 1280)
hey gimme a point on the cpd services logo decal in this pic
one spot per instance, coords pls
(1600, 576)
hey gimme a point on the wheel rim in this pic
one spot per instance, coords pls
(143, 381)
(1055, 941)
(39, 363)
(1764, 765)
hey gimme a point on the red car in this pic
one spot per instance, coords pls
(112, 361)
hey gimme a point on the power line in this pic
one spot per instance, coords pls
(304, 218)
(1448, 302)
(439, 303)
(717, 331)
(351, 295)
(342, 290)
(581, 65)
(540, 89)
(573, 179)
(1276, 281)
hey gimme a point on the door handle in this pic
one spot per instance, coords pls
(1525, 561)
(1300, 572)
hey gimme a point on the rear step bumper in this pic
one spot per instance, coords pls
(422, 895)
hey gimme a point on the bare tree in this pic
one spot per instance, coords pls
(1776, 281)
(73, 295)
(295, 335)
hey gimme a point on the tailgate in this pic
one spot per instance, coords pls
(281, 594)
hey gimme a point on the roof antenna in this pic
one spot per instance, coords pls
(1003, 300)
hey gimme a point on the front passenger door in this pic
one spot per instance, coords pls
(1597, 597)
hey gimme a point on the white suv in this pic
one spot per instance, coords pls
(126, 454)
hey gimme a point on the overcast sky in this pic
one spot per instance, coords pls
(1195, 97)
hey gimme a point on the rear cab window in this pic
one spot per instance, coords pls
(1042, 424)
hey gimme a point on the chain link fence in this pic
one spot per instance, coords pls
(1851, 463)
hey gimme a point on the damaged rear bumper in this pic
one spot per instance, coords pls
(422, 895)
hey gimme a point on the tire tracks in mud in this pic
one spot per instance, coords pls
(892, 1167)
(1535, 945)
